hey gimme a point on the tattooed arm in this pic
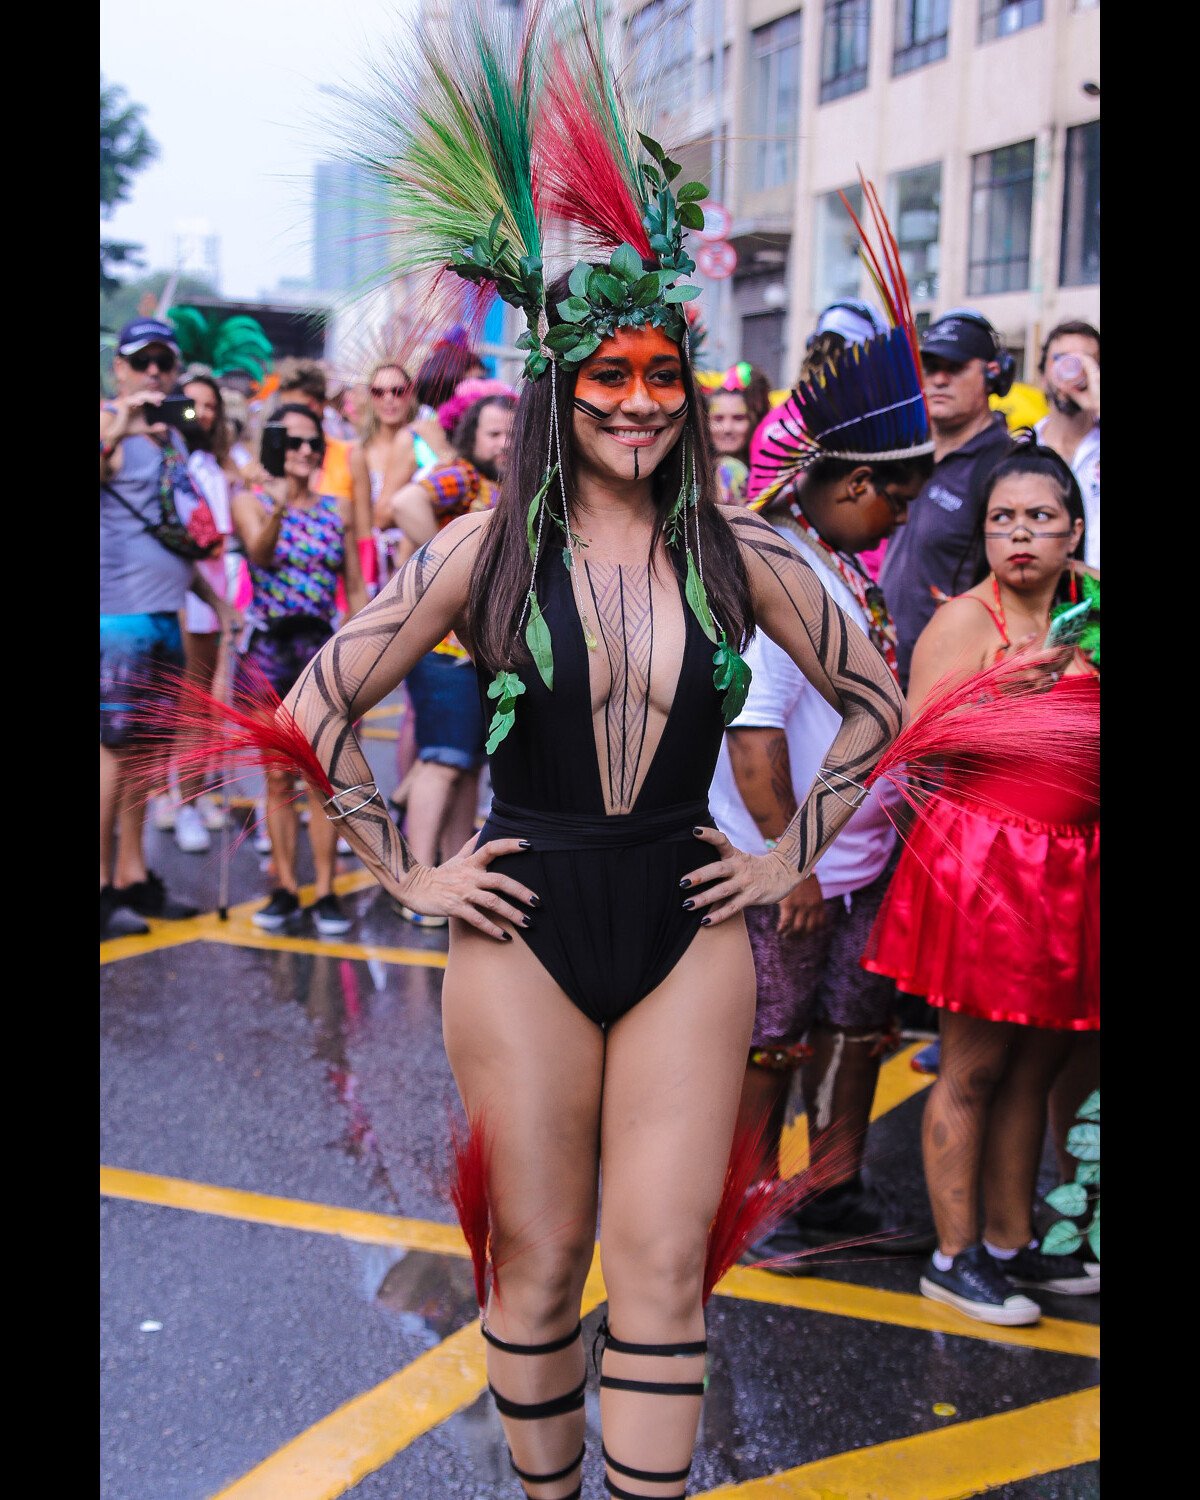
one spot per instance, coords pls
(792, 607)
(363, 662)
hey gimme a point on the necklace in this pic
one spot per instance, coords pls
(866, 591)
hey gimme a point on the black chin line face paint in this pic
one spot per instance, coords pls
(636, 470)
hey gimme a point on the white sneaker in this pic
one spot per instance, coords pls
(190, 832)
(162, 813)
(212, 812)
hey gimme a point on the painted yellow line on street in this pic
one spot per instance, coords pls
(282, 1213)
(904, 1310)
(897, 1082)
(360, 1437)
(378, 734)
(384, 711)
(253, 937)
(951, 1463)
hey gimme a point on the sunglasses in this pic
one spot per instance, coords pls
(141, 362)
(294, 444)
(379, 391)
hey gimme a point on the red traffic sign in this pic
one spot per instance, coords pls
(718, 260)
(718, 221)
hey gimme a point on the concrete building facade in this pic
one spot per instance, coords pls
(970, 116)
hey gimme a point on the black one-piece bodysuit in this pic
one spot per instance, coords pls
(611, 924)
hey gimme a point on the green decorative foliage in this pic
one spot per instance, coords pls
(532, 513)
(506, 687)
(697, 598)
(1087, 635)
(731, 677)
(1074, 1198)
(537, 638)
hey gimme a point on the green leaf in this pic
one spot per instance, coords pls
(697, 598)
(659, 244)
(1062, 1238)
(626, 263)
(566, 557)
(681, 294)
(1069, 1199)
(690, 216)
(497, 729)
(1088, 1173)
(574, 309)
(605, 288)
(651, 174)
(578, 281)
(531, 267)
(1083, 1142)
(536, 365)
(646, 290)
(652, 148)
(531, 513)
(537, 638)
(586, 347)
(1093, 1236)
(691, 192)
(561, 336)
(524, 340)
(1090, 1108)
(732, 676)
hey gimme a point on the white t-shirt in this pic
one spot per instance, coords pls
(781, 697)
(200, 618)
(1085, 465)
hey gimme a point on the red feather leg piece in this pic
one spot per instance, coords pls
(1004, 715)
(469, 1194)
(751, 1205)
(252, 732)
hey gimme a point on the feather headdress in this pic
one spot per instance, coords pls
(868, 403)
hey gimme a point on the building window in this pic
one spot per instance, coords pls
(922, 31)
(776, 90)
(916, 212)
(660, 42)
(835, 248)
(1002, 17)
(1001, 215)
(1079, 263)
(845, 44)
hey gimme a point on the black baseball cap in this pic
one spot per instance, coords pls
(143, 331)
(959, 335)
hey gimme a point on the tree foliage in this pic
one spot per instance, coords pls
(126, 148)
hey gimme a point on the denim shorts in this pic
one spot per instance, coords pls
(138, 656)
(448, 721)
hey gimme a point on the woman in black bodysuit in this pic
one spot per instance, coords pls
(612, 1036)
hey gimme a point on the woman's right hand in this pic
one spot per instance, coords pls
(464, 887)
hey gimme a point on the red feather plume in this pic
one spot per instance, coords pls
(469, 1194)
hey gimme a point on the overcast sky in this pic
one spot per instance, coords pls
(231, 90)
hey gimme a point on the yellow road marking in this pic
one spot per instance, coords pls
(904, 1310)
(949, 1463)
(253, 937)
(897, 1082)
(333, 1455)
(378, 734)
(384, 711)
(282, 1213)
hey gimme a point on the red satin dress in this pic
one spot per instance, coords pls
(994, 909)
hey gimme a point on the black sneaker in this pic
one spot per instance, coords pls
(975, 1285)
(854, 1210)
(283, 907)
(116, 920)
(328, 917)
(149, 899)
(783, 1241)
(1068, 1275)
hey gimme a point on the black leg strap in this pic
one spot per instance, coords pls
(551, 1347)
(651, 1476)
(654, 1387)
(547, 1478)
(532, 1411)
(620, 1494)
(610, 1341)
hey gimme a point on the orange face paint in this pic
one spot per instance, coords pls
(635, 361)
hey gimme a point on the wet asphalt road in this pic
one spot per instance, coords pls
(323, 1079)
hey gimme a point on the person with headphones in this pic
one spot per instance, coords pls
(935, 556)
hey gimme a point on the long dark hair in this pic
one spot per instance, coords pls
(1029, 457)
(500, 580)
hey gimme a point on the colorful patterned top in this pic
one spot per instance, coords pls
(303, 575)
(453, 490)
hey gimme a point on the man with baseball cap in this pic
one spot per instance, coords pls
(143, 466)
(936, 553)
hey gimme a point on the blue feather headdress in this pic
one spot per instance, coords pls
(867, 403)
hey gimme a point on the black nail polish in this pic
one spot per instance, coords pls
(535, 901)
(506, 937)
(688, 904)
(697, 831)
(684, 883)
(704, 921)
(526, 921)
(524, 843)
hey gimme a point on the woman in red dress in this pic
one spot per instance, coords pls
(993, 915)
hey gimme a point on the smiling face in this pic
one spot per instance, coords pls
(304, 448)
(728, 423)
(630, 403)
(392, 397)
(1028, 531)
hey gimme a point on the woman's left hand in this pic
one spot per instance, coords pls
(742, 879)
